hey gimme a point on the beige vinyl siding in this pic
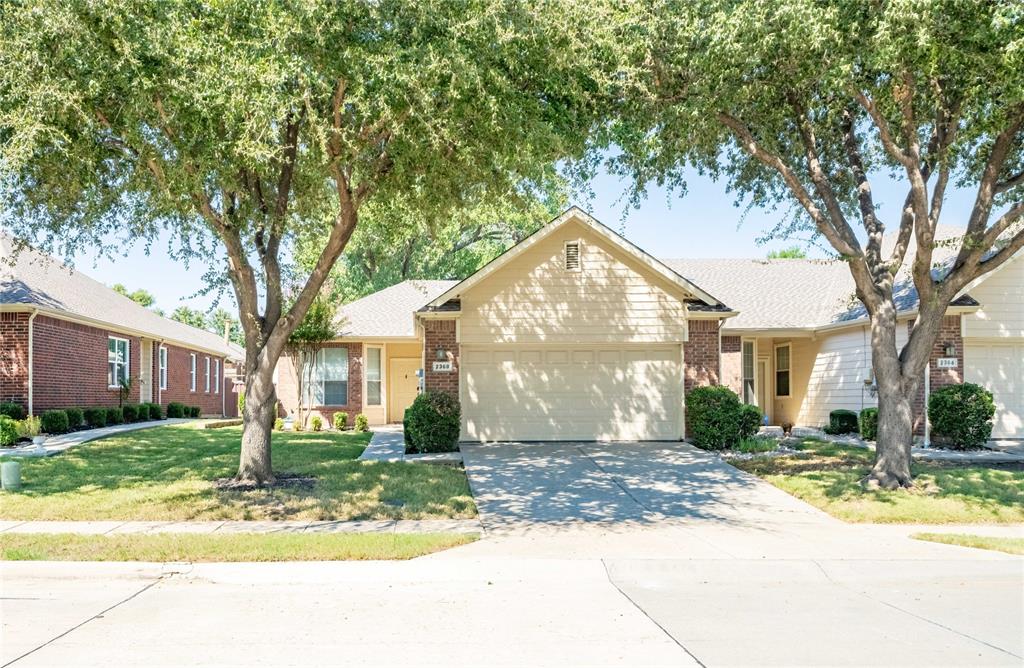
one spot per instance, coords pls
(534, 298)
(1002, 304)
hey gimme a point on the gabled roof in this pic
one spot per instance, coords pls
(389, 312)
(574, 213)
(30, 279)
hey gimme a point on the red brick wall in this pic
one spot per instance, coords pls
(288, 391)
(949, 333)
(732, 364)
(440, 334)
(14, 357)
(179, 381)
(700, 353)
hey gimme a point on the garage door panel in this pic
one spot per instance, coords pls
(999, 367)
(572, 393)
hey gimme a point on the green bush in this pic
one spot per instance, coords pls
(95, 417)
(713, 417)
(241, 402)
(410, 438)
(434, 420)
(842, 421)
(749, 420)
(115, 415)
(175, 410)
(154, 412)
(869, 424)
(279, 424)
(30, 427)
(131, 412)
(75, 418)
(13, 410)
(53, 422)
(362, 423)
(961, 416)
(340, 420)
(316, 422)
(194, 411)
(8, 430)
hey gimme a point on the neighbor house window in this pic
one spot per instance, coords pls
(329, 384)
(216, 376)
(749, 388)
(782, 371)
(206, 375)
(192, 372)
(163, 368)
(117, 361)
(373, 376)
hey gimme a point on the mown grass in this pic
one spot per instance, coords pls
(828, 476)
(1008, 545)
(168, 473)
(234, 547)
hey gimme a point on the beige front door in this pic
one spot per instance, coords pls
(402, 386)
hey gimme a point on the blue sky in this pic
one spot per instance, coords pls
(703, 223)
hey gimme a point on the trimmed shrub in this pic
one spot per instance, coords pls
(30, 427)
(869, 424)
(194, 411)
(131, 412)
(842, 421)
(115, 415)
(340, 420)
(410, 437)
(362, 423)
(713, 417)
(961, 416)
(53, 422)
(155, 411)
(316, 422)
(433, 420)
(13, 410)
(241, 402)
(279, 424)
(749, 420)
(75, 418)
(8, 430)
(95, 417)
(175, 410)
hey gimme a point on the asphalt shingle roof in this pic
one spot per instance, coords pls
(35, 279)
(389, 312)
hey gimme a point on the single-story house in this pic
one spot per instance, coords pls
(67, 340)
(576, 333)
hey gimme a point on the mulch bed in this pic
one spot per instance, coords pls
(282, 481)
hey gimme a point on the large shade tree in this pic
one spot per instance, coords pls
(240, 125)
(808, 104)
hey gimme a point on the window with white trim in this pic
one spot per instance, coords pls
(373, 377)
(782, 361)
(329, 383)
(163, 368)
(192, 372)
(117, 361)
(216, 376)
(749, 386)
(206, 375)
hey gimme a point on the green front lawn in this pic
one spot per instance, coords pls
(1008, 545)
(828, 476)
(168, 473)
(235, 547)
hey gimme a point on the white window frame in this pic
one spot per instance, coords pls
(216, 376)
(206, 375)
(193, 369)
(366, 376)
(753, 371)
(112, 377)
(162, 367)
(316, 390)
(788, 369)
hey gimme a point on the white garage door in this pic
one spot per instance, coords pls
(999, 367)
(522, 393)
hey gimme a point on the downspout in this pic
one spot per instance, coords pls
(927, 391)
(159, 385)
(31, 360)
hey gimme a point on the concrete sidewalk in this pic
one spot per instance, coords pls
(54, 445)
(259, 527)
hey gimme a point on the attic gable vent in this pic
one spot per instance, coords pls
(572, 256)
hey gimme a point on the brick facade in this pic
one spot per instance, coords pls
(14, 357)
(700, 353)
(440, 334)
(179, 382)
(949, 334)
(288, 389)
(732, 364)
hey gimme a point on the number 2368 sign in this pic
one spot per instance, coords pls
(442, 366)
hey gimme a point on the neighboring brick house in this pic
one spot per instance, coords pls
(575, 333)
(67, 341)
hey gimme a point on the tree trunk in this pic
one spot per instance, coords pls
(895, 416)
(257, 426)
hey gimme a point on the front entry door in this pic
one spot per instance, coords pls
(402, 386)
